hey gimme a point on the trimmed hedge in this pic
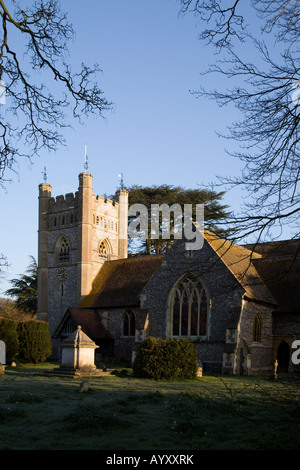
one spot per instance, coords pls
(35, 341)
(29, 341)
(166, 359)
(9, 334)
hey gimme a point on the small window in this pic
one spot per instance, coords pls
(64, 251)
(128, 324)
(257, 329)
(103, 250)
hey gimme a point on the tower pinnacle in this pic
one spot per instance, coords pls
(86, 165)
(45, 174)
(121, 180)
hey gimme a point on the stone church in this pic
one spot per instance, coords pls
(239, 305)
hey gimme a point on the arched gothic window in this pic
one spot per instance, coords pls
(128, 323)
(189, 307)
(257, 329)
(63, 250)
(103, 250)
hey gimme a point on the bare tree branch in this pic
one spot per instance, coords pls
(33, 116)
(266, 94)
(226, 22)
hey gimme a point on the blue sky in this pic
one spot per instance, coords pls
(158, 131)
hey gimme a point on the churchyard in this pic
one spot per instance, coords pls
(121, 412)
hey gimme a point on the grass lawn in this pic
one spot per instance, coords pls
(120, 413)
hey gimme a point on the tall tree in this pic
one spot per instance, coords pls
(265, 90)
(148, 196)
(3, 262)
(25, 289)
(33, 47)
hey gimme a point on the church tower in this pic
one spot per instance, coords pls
(77, 234)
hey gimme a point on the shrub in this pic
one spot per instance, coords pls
(166, 359)
(148, 359)
(35, 341)
(9, 334)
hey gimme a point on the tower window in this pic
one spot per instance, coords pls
(64, 251)
(103, 250)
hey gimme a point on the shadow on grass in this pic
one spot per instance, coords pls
(129, 413)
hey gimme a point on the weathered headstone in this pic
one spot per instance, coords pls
(84, 386)
(2, 357)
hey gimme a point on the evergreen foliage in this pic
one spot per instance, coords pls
(35, 341)
(9, 334)
(166, 359)
(215, 212)
(25, 289)
(29, 341)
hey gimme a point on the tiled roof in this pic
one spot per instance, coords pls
(120, 282)
(239, 260)
(268, 272)
(90, 323)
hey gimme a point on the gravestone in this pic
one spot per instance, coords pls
(2, 357)
(78, 351)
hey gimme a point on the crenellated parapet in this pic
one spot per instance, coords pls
(78, 233)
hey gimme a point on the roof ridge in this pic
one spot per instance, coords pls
(235, 258)
(132, 258)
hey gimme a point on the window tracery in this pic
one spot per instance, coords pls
(103, 250)
(128, 323)
(189, 308)
(63, 250)
(257, 329)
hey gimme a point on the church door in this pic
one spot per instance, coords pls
(283, 357)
